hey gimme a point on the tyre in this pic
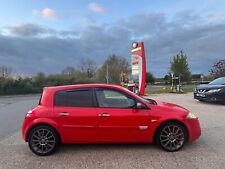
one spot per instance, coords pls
(43, 140)
(201, 100)
(171, 136)
(224, 102)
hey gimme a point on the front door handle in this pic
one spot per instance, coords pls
(104, 115)
(64, 114)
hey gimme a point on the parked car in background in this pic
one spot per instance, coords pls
(100, 113)
(211, 92)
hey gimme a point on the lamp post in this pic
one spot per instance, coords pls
(107, 74)
(202, 77)
(172, 74)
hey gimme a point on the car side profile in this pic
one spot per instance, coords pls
(101, 113)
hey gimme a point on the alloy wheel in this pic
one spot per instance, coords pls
(43, 141)
(172, 137)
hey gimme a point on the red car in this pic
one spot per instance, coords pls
(100, 113)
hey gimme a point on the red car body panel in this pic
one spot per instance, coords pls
(80, 126)
(124, 125)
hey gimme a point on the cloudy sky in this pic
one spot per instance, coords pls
(48, 35)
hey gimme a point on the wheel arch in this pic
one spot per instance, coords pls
(42, 124)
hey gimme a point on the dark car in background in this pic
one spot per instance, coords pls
(211, 92)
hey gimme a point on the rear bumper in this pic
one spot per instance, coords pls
(194, 129)
(25, 128)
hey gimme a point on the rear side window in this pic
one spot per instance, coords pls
(74, 98)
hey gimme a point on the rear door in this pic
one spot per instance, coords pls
(76, 114)
(118, 120)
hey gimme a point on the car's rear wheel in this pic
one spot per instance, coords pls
(43, 140)
(171, 136)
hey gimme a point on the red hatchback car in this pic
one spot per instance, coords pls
(100, 113)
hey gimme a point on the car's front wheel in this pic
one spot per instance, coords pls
(201, 100)
(171, 136)
(43, 140)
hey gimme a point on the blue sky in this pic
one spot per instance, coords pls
(73, 12)
(42, 32)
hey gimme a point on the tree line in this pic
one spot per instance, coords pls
(87, 71)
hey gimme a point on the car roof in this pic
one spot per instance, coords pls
(65, 87)
(48, 93)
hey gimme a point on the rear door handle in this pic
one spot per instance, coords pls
(64, 114)
(104, 115)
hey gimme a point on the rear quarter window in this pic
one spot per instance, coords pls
(60, 98)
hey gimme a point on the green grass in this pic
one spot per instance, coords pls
(168, 90)
(188, 89)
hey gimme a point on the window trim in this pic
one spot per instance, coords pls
(74, 90)
(124, 93)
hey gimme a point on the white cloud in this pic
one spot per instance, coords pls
(46, 13)
(97, 8)
(217, 17)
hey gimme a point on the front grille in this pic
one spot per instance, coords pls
(202, 90)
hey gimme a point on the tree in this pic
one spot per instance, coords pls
(113, 66)
(40, 80)
(69, 70)
(88, 67)
(149, 77)
(5, 71)
(179, 67)
(218, 69)
(167, 79)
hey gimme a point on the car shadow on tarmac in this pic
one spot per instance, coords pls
(70, 148)
(211, 103)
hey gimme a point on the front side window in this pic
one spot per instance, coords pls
(113, 99)
(74, 98)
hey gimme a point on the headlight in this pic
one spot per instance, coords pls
(191, 116)
(214, 90)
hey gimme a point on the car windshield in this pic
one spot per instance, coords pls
(149, 101)
(219, 81)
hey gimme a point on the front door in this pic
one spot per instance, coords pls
(118, 120)
(76, 115)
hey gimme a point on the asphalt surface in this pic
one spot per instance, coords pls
(13, 110)
(208, 152)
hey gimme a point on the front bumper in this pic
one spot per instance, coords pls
(194, 129)
(211, 97)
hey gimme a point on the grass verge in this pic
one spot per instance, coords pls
(168, 90)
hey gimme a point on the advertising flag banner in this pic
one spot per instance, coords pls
(139, 66)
